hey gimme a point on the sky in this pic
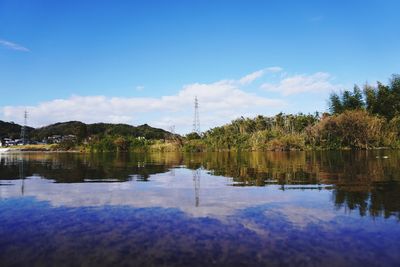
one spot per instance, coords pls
(139, 62)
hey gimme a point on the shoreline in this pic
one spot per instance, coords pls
(47, 150)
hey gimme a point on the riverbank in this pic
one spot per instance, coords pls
(31, 148)
(168, 147)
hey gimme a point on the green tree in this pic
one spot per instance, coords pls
(349, 100)
(335, 104)
(193, 136)
(260, 123)
(383, 99)
(370, 99)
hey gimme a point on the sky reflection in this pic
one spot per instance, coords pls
(179, 210)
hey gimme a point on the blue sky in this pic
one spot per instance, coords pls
(143, 61)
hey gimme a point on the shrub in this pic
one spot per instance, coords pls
(196, 145)
(287, 142)
(354, 129)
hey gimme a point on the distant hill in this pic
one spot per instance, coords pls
(82, 130)
(12, 130)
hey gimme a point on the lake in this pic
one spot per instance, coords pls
(221, 209)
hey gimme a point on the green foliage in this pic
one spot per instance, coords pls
(164, 146)
(12, 130)
(324, 134)
(392, 136)
(76, 128)
(383, 100)
(192, 136)
(66, 145)
(259, 139)
(347, 101)
(287, 142)
(195, 145)
(103, 144)
(335, 104)
(353, 100)
(118, 143)
(259, 133)
(82, 131)
(353, 129)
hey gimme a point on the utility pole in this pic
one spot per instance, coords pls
(196, 120)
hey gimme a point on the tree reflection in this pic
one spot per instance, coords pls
(365, 181)
(73, 168)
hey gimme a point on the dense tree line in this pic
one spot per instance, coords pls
(283, 131)
(358, 119)
(382, 100)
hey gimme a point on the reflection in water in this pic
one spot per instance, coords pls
(365, 181)
(21, 174)
(253, 209)
(72, 168)
(196, 184)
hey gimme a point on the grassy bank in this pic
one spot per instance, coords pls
(41, 147)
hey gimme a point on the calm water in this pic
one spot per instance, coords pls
(250, 209)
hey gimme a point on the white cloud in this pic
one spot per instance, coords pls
(251, 77)
(258, 74)
(170, 191)
(289, 85)
(274, 69)
(220, 102)
(13, 46)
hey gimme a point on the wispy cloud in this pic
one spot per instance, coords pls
(13, 46)
(274, 69)
(249, 78)
(289, 85)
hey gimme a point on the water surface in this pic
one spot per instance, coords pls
(222, 209)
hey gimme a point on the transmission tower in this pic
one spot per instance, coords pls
(196, 184)
(196, 120)
(172, 131)
(22, 174)
(23, 128)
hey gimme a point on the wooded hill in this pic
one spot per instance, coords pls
(82, 130)
(12, 130)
